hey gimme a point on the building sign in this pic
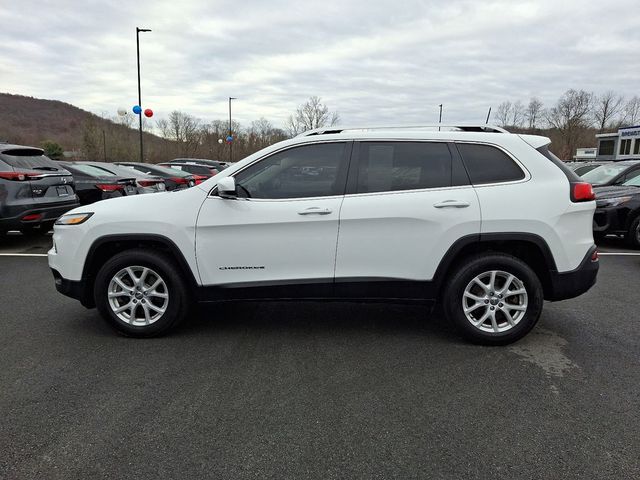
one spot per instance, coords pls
(630, 132)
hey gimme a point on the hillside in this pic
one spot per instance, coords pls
(31, 121)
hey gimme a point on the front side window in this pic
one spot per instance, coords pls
(394, 166)
(317, 170)
(487, 164)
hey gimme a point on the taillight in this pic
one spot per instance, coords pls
(18, 176)
(594, 256)
(31, 217)
(109, 187)
(582, 192)
(199, 179)
(179, 180)
(147, 183)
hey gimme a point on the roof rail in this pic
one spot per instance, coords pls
(461, 127)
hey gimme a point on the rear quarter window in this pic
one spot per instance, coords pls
(487, 164)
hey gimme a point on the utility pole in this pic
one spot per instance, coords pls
(138, 30)
(104, 143)
(230, 135)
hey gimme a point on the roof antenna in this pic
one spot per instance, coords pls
(488, 115)
(440, 119)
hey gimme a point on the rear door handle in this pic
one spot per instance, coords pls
(452, 203)
(315, 211)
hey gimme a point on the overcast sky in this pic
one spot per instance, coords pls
(375, 62)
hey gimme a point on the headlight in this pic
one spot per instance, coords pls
(612, 202)
(73, 219)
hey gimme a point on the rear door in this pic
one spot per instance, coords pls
(407, 202)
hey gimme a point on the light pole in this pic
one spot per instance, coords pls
(230, 136)
(138, 30)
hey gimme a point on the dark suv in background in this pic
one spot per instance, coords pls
(34, 190)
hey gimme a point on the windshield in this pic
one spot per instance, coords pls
(603, 173)
(28, 158)
(91, 170)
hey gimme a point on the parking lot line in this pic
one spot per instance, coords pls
(23, 254)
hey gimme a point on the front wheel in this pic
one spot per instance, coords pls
(493, 299)
(140, 293)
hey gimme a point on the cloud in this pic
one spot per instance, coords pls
(374, 62)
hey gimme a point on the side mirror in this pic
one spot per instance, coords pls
(227, 188)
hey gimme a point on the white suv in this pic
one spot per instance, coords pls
(488, 223)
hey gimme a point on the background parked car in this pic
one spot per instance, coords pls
(34, 190)
(618, 212)
(614, 173)
(145, 183)
(200, 172)
(173, 179)
(94, 184)
(580, 168)
(218, 165)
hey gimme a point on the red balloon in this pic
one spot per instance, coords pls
(148, 112)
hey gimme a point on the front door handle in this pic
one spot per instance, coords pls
(315, 211)
(452, 203)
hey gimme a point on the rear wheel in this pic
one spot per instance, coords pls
(493, 299)
(141, 293)
(633, 235)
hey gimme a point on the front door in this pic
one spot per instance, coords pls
(280, 234)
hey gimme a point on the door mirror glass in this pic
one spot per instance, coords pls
(227, 188)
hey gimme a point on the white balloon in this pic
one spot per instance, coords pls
(122, 112)
(220, 140)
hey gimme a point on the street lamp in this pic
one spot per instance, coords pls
(138, 30)
(230, 138)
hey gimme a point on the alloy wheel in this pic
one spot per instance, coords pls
(138, 295)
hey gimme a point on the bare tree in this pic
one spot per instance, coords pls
(310, 115)
(534, 110)
(570, 116)
(183, 129)
(518, 114)
(632, 111)
(503, 114)
(606, 107)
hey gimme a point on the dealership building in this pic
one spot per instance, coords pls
(622, 145)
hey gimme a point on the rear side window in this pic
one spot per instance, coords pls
(394, 166)
(197, 169)
(487, 164)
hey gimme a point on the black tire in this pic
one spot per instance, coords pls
(178, 301)
(598, 236)
(633, 235)
(453, 298)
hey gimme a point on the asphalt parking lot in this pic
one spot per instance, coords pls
(316, 390)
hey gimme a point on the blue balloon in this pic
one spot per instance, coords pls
(229, 139)
(137, 109)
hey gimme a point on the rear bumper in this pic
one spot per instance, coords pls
(73, 289)
(48, 215)
(571, 284)
(610, 220)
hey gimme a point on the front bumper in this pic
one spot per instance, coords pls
(73, 289)
(571, 284)
(610, 220)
